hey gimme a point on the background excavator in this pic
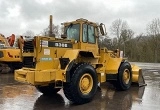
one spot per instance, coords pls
(10, 57)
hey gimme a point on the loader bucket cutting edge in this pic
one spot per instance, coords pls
(137, 76)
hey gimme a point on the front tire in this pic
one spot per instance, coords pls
(124, 78)
(83, 85)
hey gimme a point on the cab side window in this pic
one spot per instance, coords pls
(91, 37)
(88, 34)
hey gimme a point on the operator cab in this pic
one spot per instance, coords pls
(83, 32)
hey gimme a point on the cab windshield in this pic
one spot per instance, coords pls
(72, 31)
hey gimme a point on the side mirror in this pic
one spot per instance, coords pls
(101, 29)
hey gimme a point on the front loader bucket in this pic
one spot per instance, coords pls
(137, 76)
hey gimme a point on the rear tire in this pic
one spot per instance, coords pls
(124, 78)
(47, 90)
(83, 85)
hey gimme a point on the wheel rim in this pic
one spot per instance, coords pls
(126, 76)
(86, 83)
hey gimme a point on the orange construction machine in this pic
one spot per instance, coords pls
(10, 57)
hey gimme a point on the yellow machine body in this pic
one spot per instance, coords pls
(10, 57)
(47, 51)
(75, 63)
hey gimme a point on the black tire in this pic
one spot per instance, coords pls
(47, 90)
(74, 92)
(121, 84)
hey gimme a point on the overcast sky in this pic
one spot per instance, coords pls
(18, 16)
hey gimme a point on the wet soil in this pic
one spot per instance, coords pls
(18, 96)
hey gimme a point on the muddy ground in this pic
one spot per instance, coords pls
(18, 96)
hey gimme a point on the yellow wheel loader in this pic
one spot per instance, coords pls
(10, 57)
(75, 63)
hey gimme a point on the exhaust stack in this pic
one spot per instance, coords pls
(51, 27)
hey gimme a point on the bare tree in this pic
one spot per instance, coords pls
(126, 35)
(29, 33)
(55, 31)
(117, 28)
(105, 41)
(153, 31)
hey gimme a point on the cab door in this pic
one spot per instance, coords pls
(89, 41)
